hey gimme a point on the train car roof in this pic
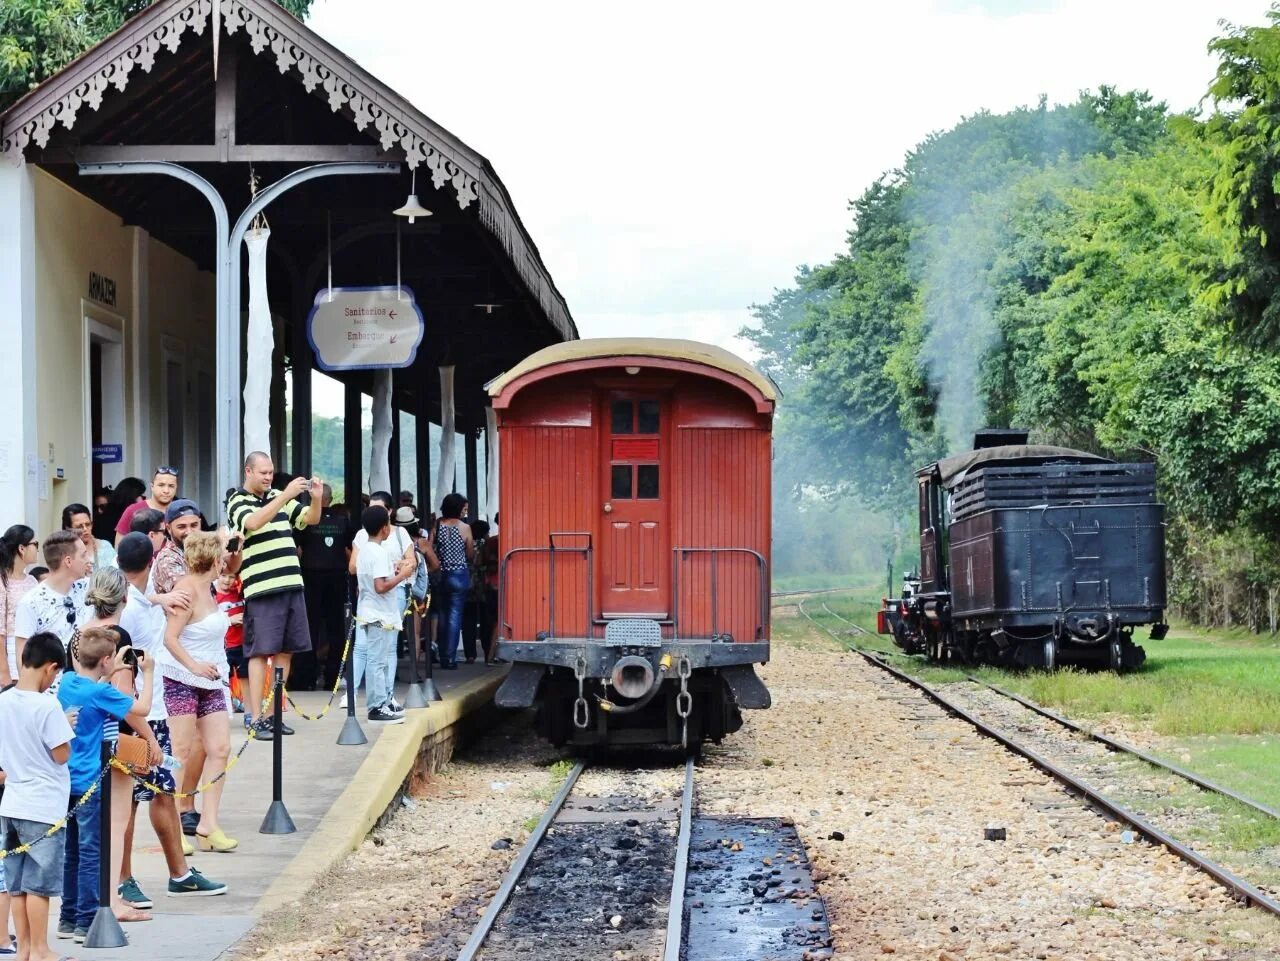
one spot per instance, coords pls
(951, 470)
(596, 348)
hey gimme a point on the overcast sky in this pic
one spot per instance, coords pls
(675, 162)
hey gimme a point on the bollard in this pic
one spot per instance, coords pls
(105, 931)
(277, 820)
(351, 731)
(423, 690)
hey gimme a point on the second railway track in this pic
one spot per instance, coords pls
(1075, 756)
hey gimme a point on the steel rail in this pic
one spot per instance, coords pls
(675, 914)
(514, 872)
(1110, 743)
(1240, 889)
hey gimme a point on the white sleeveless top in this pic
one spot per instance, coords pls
(205, 640)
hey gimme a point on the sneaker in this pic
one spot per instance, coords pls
(66, 929)
(80, 934)
(381, 715)
(394, 706)
(190, 821)
(261, 730)
(132, 895)
(195, 885)
(284, 728)
(342, 704)
(237, 705)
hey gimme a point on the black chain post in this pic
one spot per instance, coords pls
(105, 931)
(277, 820)
(351, 731)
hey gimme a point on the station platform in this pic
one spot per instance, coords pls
(335, 795)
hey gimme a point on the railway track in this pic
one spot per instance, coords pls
(620, 826)
(967, 710)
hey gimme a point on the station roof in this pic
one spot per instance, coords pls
(597, 348)
(286, 98)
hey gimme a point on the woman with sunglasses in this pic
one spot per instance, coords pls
(18, 550)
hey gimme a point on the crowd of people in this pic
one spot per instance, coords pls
(148, 628)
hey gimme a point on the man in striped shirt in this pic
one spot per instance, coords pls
(275, 615)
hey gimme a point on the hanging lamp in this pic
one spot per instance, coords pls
(412, 209)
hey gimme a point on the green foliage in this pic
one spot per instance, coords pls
(40, 37)
(1078, 270)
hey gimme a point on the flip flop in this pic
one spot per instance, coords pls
(132, 915)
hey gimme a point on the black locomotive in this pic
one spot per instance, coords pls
(1033, 556)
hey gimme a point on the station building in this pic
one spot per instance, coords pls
(122, 286)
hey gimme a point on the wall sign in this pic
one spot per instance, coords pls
(102, 289)
(108, 453)
(364, 328)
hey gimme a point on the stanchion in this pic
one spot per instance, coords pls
(423, 690)
(105, 931)
(277, 820)
(351, 730)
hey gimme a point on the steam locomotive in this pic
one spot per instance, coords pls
(1032, 556)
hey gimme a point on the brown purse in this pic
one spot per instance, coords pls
(131, 751)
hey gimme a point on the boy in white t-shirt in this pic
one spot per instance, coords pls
(380, 611)
(35, 743)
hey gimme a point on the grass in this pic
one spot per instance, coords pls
(1211, 698)
(557, 771)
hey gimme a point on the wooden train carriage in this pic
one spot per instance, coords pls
(635, 529)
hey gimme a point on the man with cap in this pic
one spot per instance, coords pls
(145, 622)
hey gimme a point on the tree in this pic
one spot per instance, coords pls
(40, 37)
(1245, 285)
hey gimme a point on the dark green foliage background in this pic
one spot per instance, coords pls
(1103, 272)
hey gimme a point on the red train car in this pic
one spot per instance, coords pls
(635, 510)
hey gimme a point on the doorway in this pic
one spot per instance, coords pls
(635, 553)
(104, 414)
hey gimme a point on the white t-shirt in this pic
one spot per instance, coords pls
(36, 787)
(44, 609)
(386, 610)
(398, 541)
(145, 623)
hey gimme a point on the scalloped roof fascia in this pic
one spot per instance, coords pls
(324, 71)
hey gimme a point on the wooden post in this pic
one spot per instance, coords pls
(422, 439)
(300, 357)
(393, 456)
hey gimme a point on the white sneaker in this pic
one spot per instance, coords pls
(343, 703)
(395, 707)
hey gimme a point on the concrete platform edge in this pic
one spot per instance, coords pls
(390, 766)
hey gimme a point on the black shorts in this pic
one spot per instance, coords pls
(276, 624)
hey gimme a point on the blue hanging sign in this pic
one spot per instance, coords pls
(364, 328)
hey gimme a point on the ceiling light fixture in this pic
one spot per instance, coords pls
(412, 209)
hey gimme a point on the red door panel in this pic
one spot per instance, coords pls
(635, 502)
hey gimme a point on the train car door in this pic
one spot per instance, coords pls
(635, 554)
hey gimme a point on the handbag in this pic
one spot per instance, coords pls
(421, 580)
(131, 751)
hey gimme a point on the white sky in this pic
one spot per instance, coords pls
(675, 162)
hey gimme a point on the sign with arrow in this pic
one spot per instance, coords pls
(365, 328)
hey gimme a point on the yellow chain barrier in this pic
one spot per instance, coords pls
(61, 823)
(337, 681)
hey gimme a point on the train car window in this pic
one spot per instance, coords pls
(647, 482)
(622, 416)
(647, 419)
(621, 481)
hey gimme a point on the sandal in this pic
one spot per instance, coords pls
(216, 841)
(131, 914)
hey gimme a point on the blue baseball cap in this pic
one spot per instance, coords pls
(181, 508)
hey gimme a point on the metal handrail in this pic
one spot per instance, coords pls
(551, 550)
(715, 552)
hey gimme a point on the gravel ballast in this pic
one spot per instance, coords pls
(892, 798)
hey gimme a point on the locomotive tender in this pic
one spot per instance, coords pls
(635, 537)
(1033, 556)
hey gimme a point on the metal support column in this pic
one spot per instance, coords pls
(473, 472)
(422, 443)
(393, 456)
(351, 466)
(300, 372)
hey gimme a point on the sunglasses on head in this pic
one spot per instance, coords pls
(171, 471)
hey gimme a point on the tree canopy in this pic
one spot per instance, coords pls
(40, 37)
(1102, 272)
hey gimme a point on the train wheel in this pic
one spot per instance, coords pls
(1115, 652)
(1050, 654)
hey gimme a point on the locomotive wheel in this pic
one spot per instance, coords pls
(1115, 653)
(1050, 654)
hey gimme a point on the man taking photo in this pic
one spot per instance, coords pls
(275, 615)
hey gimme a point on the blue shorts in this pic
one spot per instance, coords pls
(159, 776)
(39, 870)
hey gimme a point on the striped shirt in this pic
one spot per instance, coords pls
(270, 557)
